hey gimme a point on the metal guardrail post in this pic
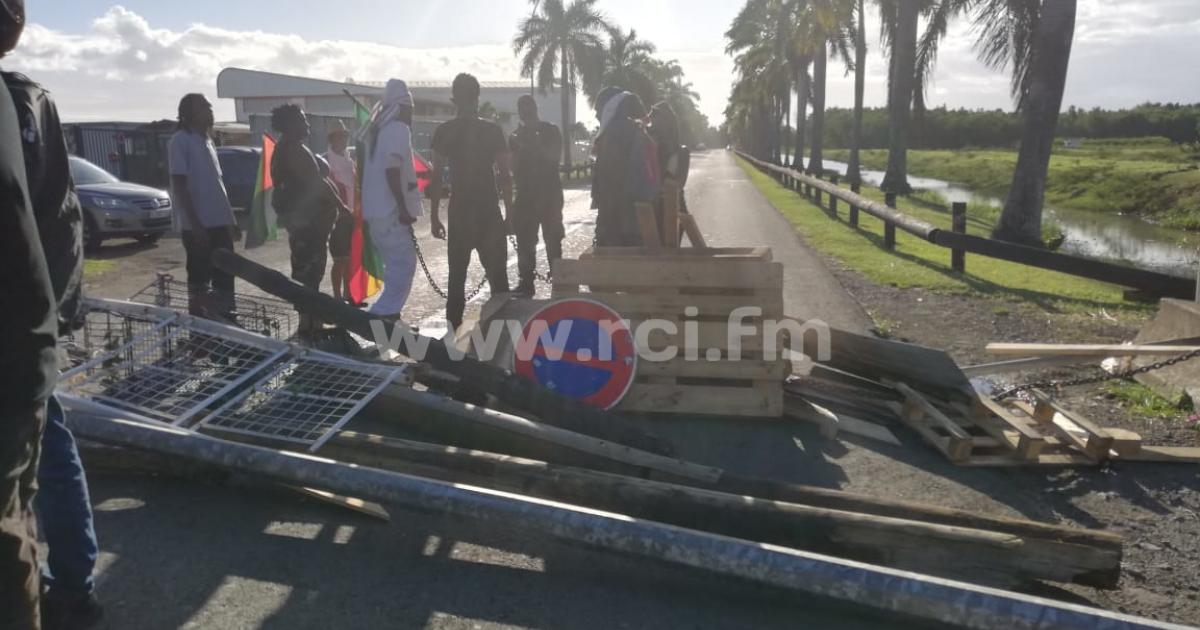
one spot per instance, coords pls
(833, 200)
(889, 228)
(958, 224)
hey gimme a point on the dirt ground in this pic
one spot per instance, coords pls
(1155, 507)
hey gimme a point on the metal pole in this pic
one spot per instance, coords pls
(879, 588)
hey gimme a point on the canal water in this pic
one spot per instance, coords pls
(1102, 235)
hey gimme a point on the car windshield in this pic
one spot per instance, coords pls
(84, 172)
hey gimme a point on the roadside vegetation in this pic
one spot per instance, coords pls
(1149, 177)
(919, 264)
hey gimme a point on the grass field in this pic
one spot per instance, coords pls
(1149, 177)
(918, 263)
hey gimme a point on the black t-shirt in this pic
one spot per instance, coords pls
(28, 321)
(535, 149)
(471, 145)
(52, 192)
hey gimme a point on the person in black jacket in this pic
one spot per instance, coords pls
(62, 503)
(28, 336)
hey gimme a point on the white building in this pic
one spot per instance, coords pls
(256, 93)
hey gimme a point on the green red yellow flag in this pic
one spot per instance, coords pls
(263, 222)
(366, 265)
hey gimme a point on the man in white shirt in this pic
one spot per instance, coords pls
(341, 171)
(202, 206)
(391, 195)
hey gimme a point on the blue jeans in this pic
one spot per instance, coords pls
(64, 511)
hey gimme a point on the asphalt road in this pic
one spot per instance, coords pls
(182, 553)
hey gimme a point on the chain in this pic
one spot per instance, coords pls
(433, 283)
(1091, 380)
(542, 277)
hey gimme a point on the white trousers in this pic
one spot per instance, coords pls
(394, 242)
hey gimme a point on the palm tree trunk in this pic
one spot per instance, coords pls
(566, 102)
(903, 75)
(1021, 221)
(854, 168)
(787, 120)
(816, 163)
(802, 90)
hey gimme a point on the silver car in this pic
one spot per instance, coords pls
(116, 209)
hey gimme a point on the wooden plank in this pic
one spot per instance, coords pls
(930, 411)
(1097, 442)
(1165, 455)
(1030, 443)
(1125, 443)
(692, 229)
(672, 195)
(704, 400)
(671, 272)
(648, 224)
(367, 508)
(1085, 350)
(708, 335)
(957, 451)
(647, 255)
(633, 305)
(746, 370)
(804, 411)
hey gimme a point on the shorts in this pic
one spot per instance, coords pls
(340, 238)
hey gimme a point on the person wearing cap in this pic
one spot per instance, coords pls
(28, 336)
(536, 147)
(391, 195)
(341, 169)
(305, 201)
(477, 154)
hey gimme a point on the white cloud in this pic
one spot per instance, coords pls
(123, 67)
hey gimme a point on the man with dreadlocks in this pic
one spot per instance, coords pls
(391, 195)
(203, 212)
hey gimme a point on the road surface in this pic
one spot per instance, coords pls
(180, 553)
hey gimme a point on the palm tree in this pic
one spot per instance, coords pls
(824, 27)
(900, 17)
(854, 166)
(559, 40)
(1037, 42)
(760, 36)
(625, 63)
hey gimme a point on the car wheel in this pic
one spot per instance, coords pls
(92, 238)
(149, 239)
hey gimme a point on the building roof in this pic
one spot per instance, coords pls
(243, 83)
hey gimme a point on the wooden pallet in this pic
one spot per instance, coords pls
(696, 290)
(1046, 433)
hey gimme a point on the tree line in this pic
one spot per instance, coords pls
(576, 46)
(944, 128)
(782, 48)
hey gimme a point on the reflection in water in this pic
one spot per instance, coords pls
(1093, 234)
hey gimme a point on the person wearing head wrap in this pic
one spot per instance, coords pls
(391, 200)
(626, 168)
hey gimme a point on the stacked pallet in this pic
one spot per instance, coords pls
(693, 291)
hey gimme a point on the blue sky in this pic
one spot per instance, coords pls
(130, 60)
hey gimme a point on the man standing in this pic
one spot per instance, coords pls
(341, 172)
(477, 154)
(27, 359)
(537, 148)
(392, 196)
(63, 506)
(202, 207)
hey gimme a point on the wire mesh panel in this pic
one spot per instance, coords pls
(305, 400)
(266, 316)
(167, 367)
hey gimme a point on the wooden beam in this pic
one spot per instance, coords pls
(1084, 350)
(1003, 559)
(916, 410)
(692, 229)
(1030, 443)
(1096, 443)
(648, 224)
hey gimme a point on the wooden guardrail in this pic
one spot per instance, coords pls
(956, 239)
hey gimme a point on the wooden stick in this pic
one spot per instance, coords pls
(1084, 350)
(649, 225)
(692, 229)
(671, 195)
(997, 558)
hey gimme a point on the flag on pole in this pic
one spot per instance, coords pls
(366, 265)
(263, 222)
